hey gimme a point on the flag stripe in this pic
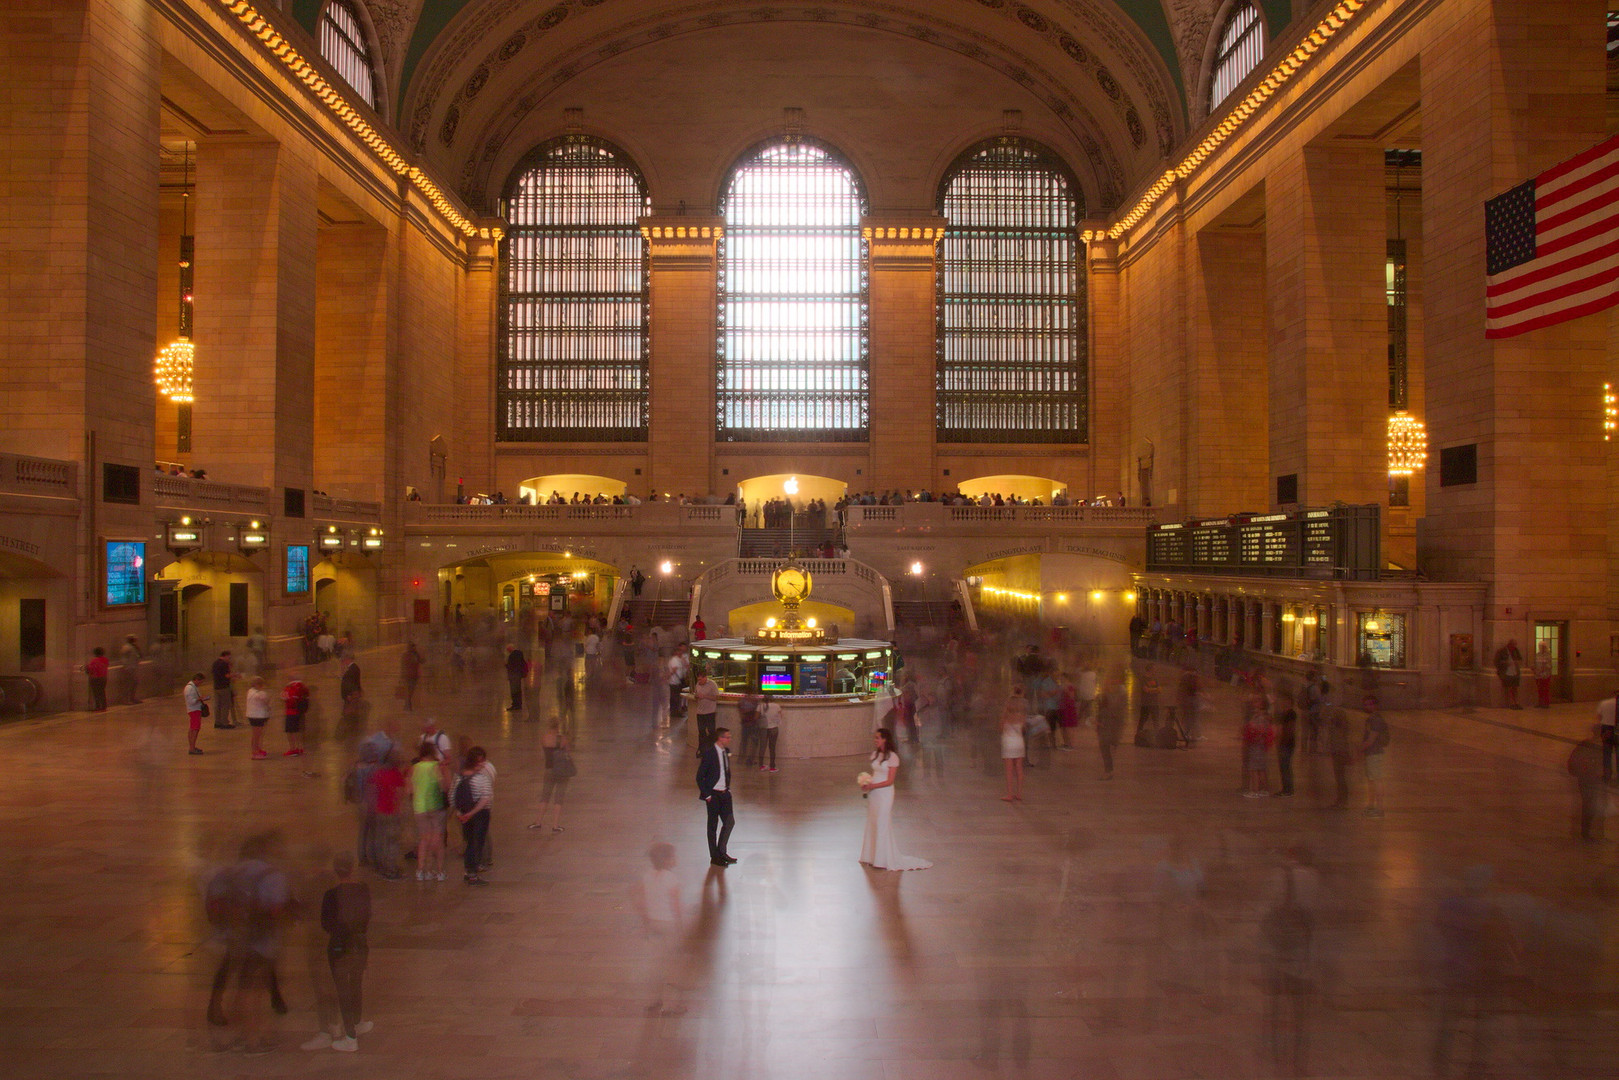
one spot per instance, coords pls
(1607, 272)
(1548, 275)
(1578, 162)
(1552, 318)
(1601, 226)
(1548, 221)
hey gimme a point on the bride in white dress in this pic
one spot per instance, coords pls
(879, 850)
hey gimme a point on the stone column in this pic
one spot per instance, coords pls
(904, 350)
(476, 428)
(1533, 520)
(256, 226)
(680, 443)
(1227, 408)
(1325, 249)
(1111, 468)
(351, 399)
(78, 320)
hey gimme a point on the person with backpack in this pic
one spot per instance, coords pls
(474, 795)
(345, 915)
(1372, 747)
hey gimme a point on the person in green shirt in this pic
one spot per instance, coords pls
(428, 802)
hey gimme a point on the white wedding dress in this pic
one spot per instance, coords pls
(879, 849)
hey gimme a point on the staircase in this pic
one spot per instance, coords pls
(649, 611)
(915, 614)
(779, 543)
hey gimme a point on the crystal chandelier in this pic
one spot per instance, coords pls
(1408, 444)
(177, 359)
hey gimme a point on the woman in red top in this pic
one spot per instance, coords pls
(95, 669)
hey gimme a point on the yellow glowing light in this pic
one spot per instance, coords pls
(916, 568)
(770, 622)
(1407, 444)
(667, 567)
(1130, 597)
(1096, 595)
(175, 364)
(1610, 412)
(810, 623)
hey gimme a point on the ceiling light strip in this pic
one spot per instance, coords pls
(1312, 43)
(283, 50)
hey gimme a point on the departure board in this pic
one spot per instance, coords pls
(1338, 542)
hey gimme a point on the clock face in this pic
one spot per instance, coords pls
(791, 583)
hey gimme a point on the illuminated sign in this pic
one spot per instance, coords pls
(297, 568)
(126, 572)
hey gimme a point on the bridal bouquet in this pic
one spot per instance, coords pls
(863, 779)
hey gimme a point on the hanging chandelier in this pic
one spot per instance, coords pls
(177, 360)
(1408, 444)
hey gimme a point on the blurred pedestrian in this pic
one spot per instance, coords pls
(1014, 714)
(770, 715)
(1341, 747)
(1287, 935)
(1610, 744)
(516, 672)
(658, 904)
(95, 671)
(246, 904)
(1585, 766)
(428, 803)
(1509, 669)
(345, 915)
(410, 673)
(473, 800)
(196, 706)
(1258, 735)
(1544, 668)
(559, 769)
(294, 707)
(131, 656)
(1374, 743)
(1287, 740)
(224, 692)
(256, 706)
(1110, 710)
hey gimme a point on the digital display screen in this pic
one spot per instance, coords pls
(126, 572)
(776, 678)
(297, 568)
(878, 679)
(812, 678)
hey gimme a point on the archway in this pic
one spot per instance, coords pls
(1010, 485)
(346, 593)
(1092, 598)
(519, 586)
(586, 485)
(208, 601)
(797, 488)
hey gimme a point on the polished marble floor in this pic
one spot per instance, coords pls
(1098, 930)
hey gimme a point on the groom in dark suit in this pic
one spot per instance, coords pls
(714, 788)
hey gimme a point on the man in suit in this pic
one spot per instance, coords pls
(714, 788)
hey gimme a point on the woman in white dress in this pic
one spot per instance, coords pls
(1013, 716)
(879, 850)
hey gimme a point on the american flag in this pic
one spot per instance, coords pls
(1553, 245)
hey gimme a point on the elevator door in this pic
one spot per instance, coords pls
(1555, 635)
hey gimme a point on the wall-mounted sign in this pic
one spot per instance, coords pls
(126, 572)
(297, 568)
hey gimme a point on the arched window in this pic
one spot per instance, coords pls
(1011, 296)
(1242, 45)
(343, 44)
(573, 335)
(792, 298)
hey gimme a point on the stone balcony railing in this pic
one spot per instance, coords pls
(919, 515)
(327, 506)
(586, 517)
(22, 475)
(189, 493)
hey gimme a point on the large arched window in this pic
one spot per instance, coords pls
(343, 44)
(1242, 45)
(573, 341)
(1011, 296)
(792, 298)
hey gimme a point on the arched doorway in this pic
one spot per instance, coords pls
(519, 586)
(208, 601)
(540, 489)
(346, 594)
(1010, 485)
(748, 618)
(800, 489)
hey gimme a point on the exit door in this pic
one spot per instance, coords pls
(1555, 635)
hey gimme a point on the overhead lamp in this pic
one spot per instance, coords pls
(176, 362)
(1407, 444)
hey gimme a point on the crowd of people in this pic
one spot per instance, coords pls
(1007, 703)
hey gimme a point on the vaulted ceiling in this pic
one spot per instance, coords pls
(685, 84)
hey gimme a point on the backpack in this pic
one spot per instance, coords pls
(464, 799)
